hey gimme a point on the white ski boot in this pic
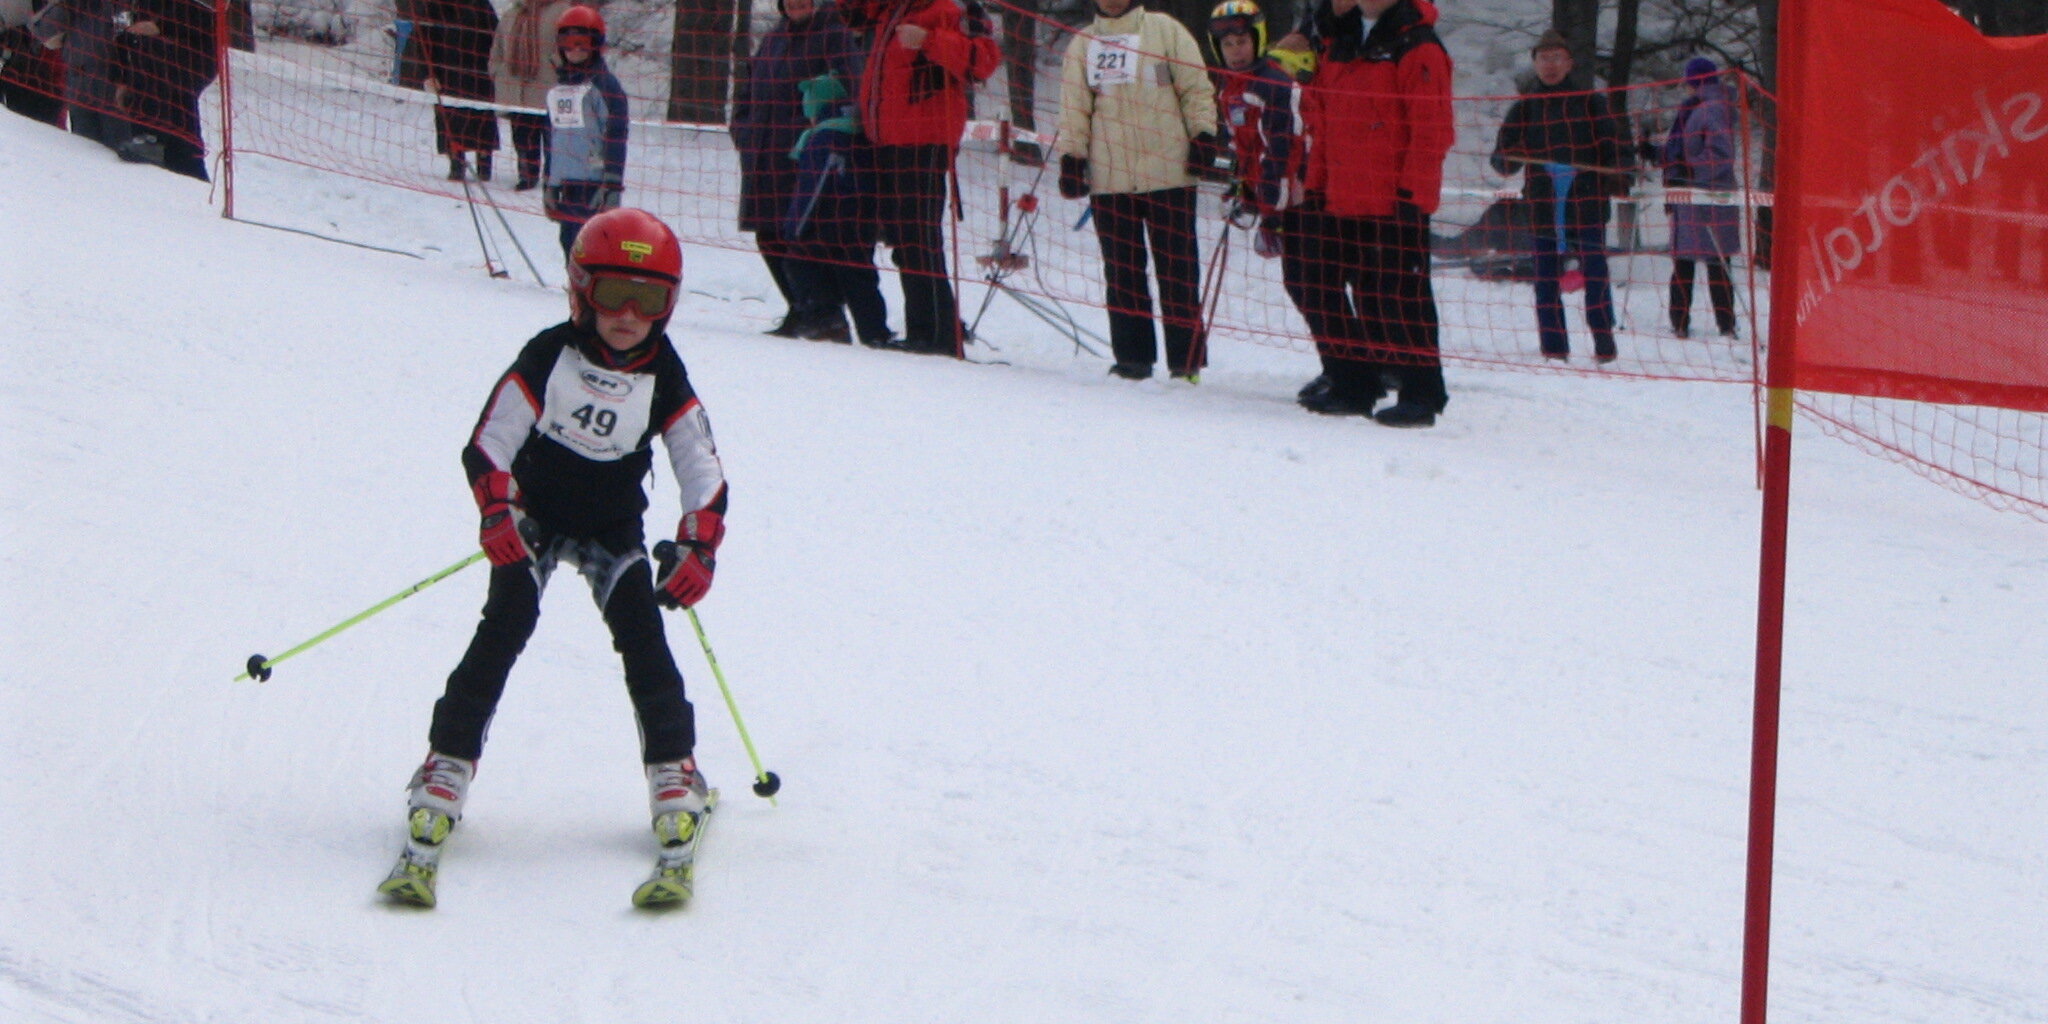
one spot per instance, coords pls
(438, 790)
(681, 804)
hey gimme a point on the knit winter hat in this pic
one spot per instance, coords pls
(1551, 39)
(1700, 69)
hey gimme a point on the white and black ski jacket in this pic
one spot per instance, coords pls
(577, 432)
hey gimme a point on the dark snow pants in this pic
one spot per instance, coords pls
(1126, 226)
(622, 582)
(1370, 304)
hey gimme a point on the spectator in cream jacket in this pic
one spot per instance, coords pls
(1137, 125)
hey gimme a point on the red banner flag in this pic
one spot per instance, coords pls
(1922, 248)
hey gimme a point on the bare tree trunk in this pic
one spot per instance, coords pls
(1020, 56)
(1767, 112)
(1621, 67)
(702, 54)
(1579, 22)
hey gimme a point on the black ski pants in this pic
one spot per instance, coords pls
(1720, 293)
(1125, 226)
(615, 564)
(530, 133)
(1370, 304)
(910, 211)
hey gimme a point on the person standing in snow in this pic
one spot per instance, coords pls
(523, 70)
(164, 60)
(1700, 153)
(455, 42)
(1260, 107)
(826, 225)
(587, 122)
(768, 118)
(1137, 126)
(84, 32)
(31, 74)
(1378, 114)
(1573, 153)
(913, 103)
(555, 464)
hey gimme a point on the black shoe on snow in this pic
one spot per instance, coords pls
(827, 330)
(1338, 401)
(1313, 389)
(1132, 371)
(914, 345)
(1404, 414)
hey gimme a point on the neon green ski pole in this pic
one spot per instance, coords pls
(259, 666)
(766, 783)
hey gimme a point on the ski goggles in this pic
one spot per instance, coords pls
(651, 300)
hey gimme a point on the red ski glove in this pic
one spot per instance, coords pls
(497, 497)
(688, 579)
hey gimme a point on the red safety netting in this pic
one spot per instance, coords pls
(361, 108)
(129, 75)
(1285, 238)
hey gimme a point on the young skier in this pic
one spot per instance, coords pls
(555, 464)
(587, 123)
(1260, 107)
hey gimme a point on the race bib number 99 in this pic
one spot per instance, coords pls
(1113, 60)
(565, 105)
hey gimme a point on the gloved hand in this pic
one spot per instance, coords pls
(497, 498)
(1407, 211)
(1208, 160)
(1073, 176)
(685, 581)
(1267, 242)
(608, 196)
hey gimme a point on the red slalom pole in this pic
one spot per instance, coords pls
(1787, 279)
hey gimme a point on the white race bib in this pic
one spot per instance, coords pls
(565, 105)
(597, 413)
(1113, 60)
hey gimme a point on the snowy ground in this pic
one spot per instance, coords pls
(1093, 701)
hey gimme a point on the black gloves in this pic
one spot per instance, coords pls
(1407, 212)
(1205, 152)
(1073, 176)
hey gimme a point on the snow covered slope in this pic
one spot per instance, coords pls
(1093, 701)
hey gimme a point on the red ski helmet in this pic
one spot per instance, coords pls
(584, 20)
(626, 257)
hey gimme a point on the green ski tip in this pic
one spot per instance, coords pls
(410, 884)
(664, 892)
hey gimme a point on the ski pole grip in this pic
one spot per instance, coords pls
(665, 558)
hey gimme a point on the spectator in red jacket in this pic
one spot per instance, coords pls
(913, 103)
(1379, 114)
